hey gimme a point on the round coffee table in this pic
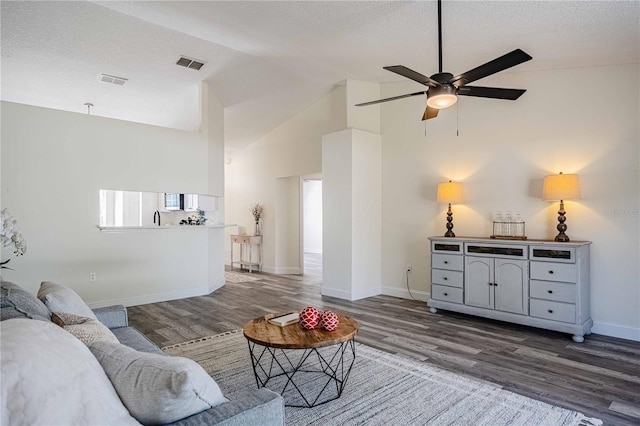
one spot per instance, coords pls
(307, 367)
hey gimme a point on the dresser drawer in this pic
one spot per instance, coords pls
(447, 261)
(554, 271)
(557, 311)
(446, 277)
(561, 254)
(549, 290)
(448, 294)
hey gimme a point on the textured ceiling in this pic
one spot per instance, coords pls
(267, 61)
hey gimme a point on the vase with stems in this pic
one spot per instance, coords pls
(257, 210)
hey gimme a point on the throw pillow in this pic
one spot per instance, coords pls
(60, 298)
(16, 302)
(86, 329)
(157, 389)
(50, 378)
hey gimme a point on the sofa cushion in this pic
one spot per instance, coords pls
(49, 377)
(60, 298)
(131, 337)
(157, 389)
(86, 329)
(16, 302)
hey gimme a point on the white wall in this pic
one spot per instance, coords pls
(312, 212)
(502, 154)
(54, 163)
(293, 149)
(287, 226)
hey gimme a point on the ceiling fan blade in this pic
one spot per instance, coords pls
(491, 92)
(509, 60)
(392, 98)
(430, 113)
(413, 75)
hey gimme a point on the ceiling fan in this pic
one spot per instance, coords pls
(444, 87)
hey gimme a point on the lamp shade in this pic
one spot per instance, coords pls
(561, 187)
(450, 192)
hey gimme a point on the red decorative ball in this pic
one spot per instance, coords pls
(329, 320)
(309, 317)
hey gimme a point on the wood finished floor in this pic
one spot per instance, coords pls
(600, 377)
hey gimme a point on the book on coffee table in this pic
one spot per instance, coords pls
(283, 319)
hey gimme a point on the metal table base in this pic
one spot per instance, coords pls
(297, 374)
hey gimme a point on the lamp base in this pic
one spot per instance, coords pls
(449, 232)
(562, 237)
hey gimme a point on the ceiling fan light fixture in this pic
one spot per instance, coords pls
(442, 97)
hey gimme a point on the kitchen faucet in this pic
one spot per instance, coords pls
(157, 212)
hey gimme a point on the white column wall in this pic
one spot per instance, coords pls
(337, 270)
(366, 196)
(212, 126)
(351, 214)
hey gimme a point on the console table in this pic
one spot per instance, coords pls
(538, 283)
(247, 244)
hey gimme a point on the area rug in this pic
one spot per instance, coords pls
(232, 277)
(385, 389)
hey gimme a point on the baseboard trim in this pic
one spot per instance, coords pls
(154, 298)
(616, 330)
(216, 285)
(347, 295)
(404, 293)
(282, 270)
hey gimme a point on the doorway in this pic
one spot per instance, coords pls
(312, 228)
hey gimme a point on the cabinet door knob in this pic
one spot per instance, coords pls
(551, 272)
(495, 284)
(550, 311)
(446, 294)
(550, 291)
(445, 278)
(446, 262)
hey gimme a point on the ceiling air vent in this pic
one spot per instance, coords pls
(119, 81)
(190, 63)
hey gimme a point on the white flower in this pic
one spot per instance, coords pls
(257, 210)
(9, 234)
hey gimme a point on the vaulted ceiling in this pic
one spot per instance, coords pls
(267, 60)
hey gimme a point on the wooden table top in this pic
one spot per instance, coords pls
(294, 336)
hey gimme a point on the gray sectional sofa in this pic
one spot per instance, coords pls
(26, 322)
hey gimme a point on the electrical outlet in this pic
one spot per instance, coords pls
(409, 268)
(92, 277)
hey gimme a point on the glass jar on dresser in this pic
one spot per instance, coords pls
(537, 283)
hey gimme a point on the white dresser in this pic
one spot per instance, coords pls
(538, 283)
